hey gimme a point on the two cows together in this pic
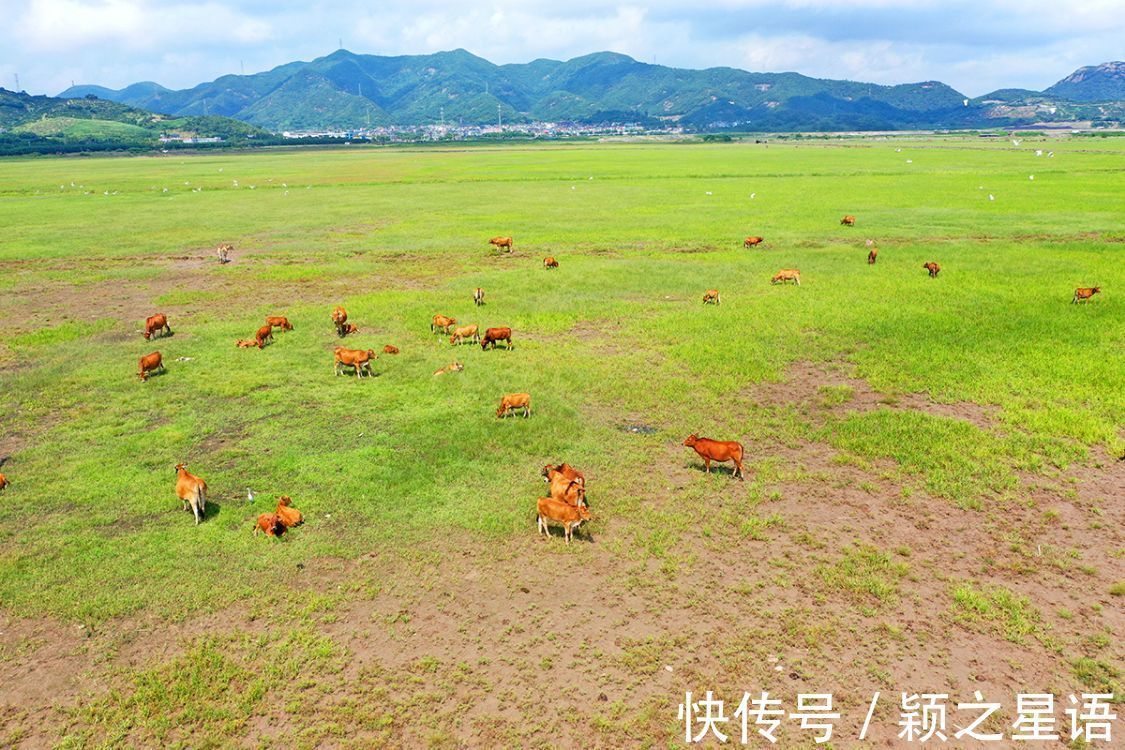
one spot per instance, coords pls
(566, 502)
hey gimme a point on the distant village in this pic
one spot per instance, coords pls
(415, 133)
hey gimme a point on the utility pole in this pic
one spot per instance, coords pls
(499, 119)
(17, 75)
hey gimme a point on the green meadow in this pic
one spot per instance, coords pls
(91, 531)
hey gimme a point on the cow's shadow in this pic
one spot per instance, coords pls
(716, 468)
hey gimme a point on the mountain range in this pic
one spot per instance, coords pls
(348, 90)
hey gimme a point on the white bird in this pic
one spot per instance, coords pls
(1051, 154)
(573, 188)
(1038, 152)
(249, 495)
(235, 182)
(286, 192)
(898, 150)
(72, 184)
(186, 182)
(284, 185)
(252, 187)
(220, 169)
(1031, 177)
(909, 161)
(708, 192)
(165, 190)
(106, 193)
(1015, 142)
(591, 178)
(753, 195)
(991, 197)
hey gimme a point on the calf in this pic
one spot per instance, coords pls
(357, 358)
(717, 450)
(278, 321)
(223, 252)
(464, 333)
(271, 524)
(451, 367)
(550, 262)
(515, 401)
(339, 318)
(245, 344)
(570, 517)
(753, 241)
(442, 323)
(287, 514)
(390, 349)
(151, 363)
(264, 334)
(872, 254)
(563, 469)
(933, 268)
(192, 491)
(157, 324)
(478, 296)
(1083, 294)
(347, 329)
(711, 297)
(787, 274)
(501, 242)
(494, 335)
(848, 221)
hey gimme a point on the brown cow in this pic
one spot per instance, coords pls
(347, 329)
(787, 274)
(500, 242)
(711, 297)
(288, 515)
(339, 318)
(358, 358)
(223, 252)
(192, 491)
(717, 450)
(1083, 294)
(270, 523)
(494, 335)
(872, 254)
(390, 349)
(848, 221)
(478, 296)
(753, 241)
(550, 262)
(3, 481)
(157, 324)
(278, 321)
(451, 367)
(515, 401)
(571, 491)
(933, 268)
(151, 363)
(264, 334)
(442, 323)
(245, 344)
(564, 469)
(570, 517)
(464, 333)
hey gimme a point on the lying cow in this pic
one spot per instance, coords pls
(347, 330)
(717, 450)
(570, 517)
(787, 274)
(464, 333)
(271, 524)
(451, 367)
(1083, 294)
(157, 324)
(287, 514)
(151, 363)
(515, 401)
(390, 349)
(356, 358)
(245, 344)
(278, 321)
(494, 335)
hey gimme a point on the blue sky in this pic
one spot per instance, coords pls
(974, 45)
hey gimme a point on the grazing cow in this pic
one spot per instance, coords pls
(717, 450)
(451, 367)
(288, 515)
(151, 363)
(848, 221)
(192, 491)
(494, 335)
(1083, 294)
(787, 274)
(711, 297)
(360, 359)
(244, 344)
(157, 324)
(933, 268)
(464, 333)
(872, 254)
(499, 242)
(550, 262)
(563, 469)
(277, 321)
(570, 517)
(347, 329)
(264, 334)
(753, 241)
(339, 318)
(390, 349)
(3, 481)
(270, 523)
(442, 323)
(571, 491)
(478, 296)
(515, 401)
(223, 252)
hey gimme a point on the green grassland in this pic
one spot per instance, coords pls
(91, 530)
